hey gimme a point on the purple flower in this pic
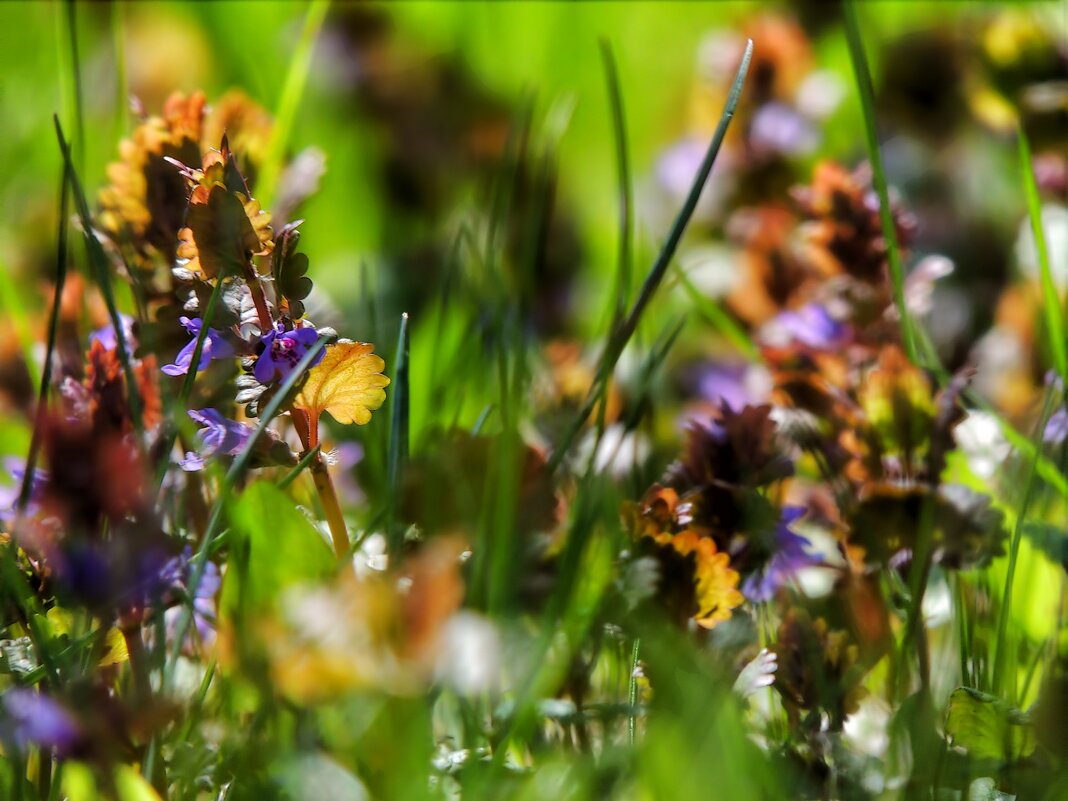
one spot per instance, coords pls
(215, 347)
(781, 129)
(732, 385)
(203, 598)
(219, 436)
(9, 495)
(282, 351)
(106, 335)
(37, 719)
(790, 555)
(811, 325)
(1056, 427)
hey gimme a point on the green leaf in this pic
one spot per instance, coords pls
(988, 728)
(290, 270)
(275, 545)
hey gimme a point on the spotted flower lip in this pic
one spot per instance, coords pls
(790, 556)
(215, 347)
(282, 352)
(219, 436)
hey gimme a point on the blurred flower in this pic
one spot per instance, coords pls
(109, 340)
(1056, 427)
(715, 583)
(282, 352)
(176, 574)
(619, 451)
(789, 556)
(215, 347)
(778, 128)
(36, 719)
(219, 437)
(9, 494)
(982, 443)
(732, 385)
(1055, 229)
(811, 325)
(469, 658)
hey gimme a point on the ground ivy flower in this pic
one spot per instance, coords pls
(220, 436)
(215, 347)
(37, 719)
(811, 325)
(1056, 427)
(106, 336)
(791, 554)
(282, 351)
(9, 495)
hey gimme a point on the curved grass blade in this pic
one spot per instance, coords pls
(867, 105)
(215, 520)
(292, 89)
(398, 439)
(625, 330)
(626, 186)
(98, 262)
(720, 320)
(53, 329)
(1051, 304)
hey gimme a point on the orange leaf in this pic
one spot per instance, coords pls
(348, 383)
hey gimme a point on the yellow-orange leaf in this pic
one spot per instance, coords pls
(348, 383)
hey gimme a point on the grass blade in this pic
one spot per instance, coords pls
(305, 460)
(867, 105)
(1051, 304)
(53, 330)
(720, 320)
(622, 334)
(626, 186)
(101, 269)
(215, 520)
(398, 440)
(292, 90)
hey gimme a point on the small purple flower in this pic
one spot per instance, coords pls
(106, 335)
(215, 347)
(9, 494)
(203, 598)
(220, 436)
(1056, 427)
(37, 719)
(791, 555)
(732, 385)
(811, 325)
(778, 128)
(282, 351)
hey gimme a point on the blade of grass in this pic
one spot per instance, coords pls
(215, 520)
(398, 439)
(720, 320)
(1002, 637)
(305, 460)
(626, 187)
(98, 262)
(867, 105)
(53, 330)
(622, 334)
(70, 75)
(1051, 304)
(118, 42)
(289, 101)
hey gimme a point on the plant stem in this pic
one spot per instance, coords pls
(324, 486)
